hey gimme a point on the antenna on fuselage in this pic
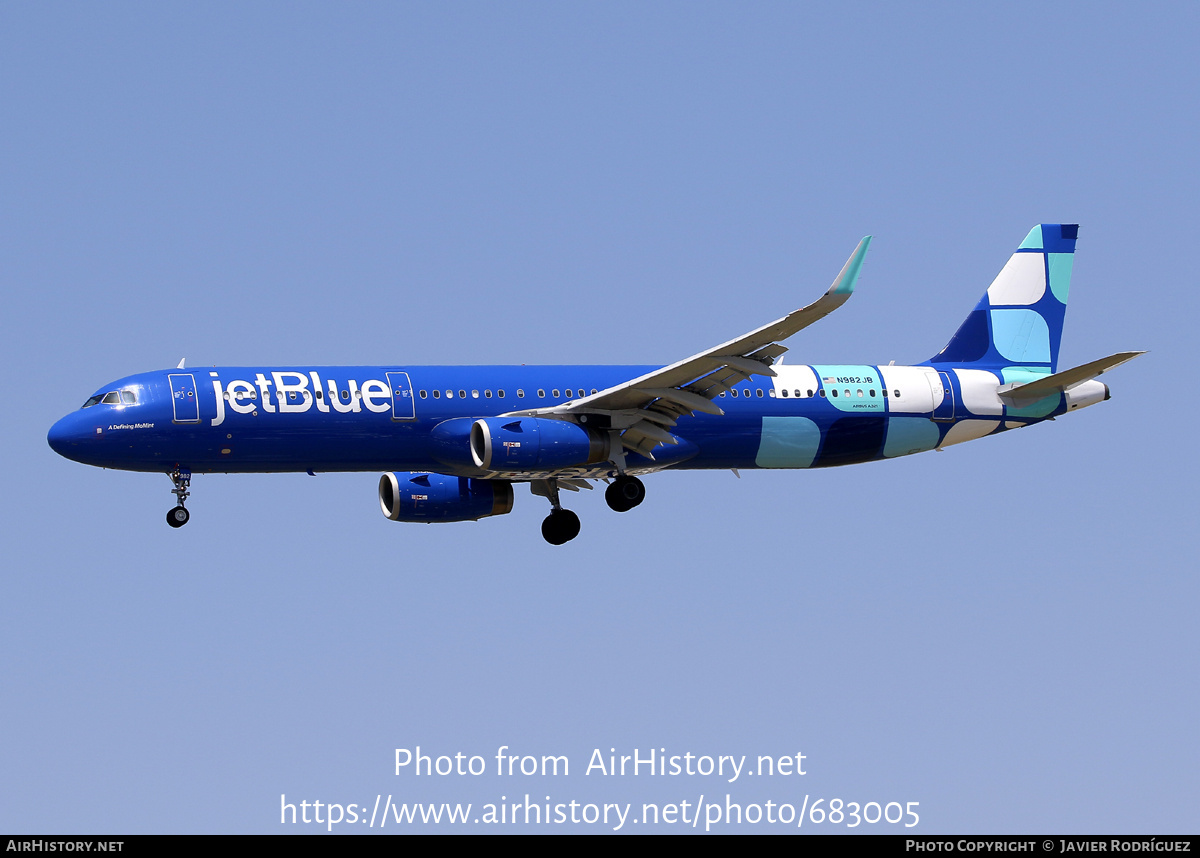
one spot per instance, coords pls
(182, 361)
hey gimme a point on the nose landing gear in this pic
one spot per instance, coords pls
(182, 479)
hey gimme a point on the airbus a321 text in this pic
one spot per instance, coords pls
(453, 440)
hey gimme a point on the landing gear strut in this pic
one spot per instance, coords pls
(561, 525)
(624, 493)
(182, 479)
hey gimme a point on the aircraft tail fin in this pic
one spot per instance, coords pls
(1019, 321)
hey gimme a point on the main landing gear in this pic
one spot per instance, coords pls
(624, 493)
(182, 479)
(561, 525)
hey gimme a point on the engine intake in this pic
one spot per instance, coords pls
(534, 444)
(408, 496)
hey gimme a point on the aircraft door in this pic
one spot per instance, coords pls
(403, 406)
(944, 410)
(184, 401)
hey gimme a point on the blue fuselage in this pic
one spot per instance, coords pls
(254, 419)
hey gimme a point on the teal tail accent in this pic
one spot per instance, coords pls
(1018, 323)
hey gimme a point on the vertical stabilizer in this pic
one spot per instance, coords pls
(1019, 321)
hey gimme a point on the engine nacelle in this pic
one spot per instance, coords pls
(534, 444)
(408, 496)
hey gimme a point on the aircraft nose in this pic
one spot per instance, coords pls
(65, 436)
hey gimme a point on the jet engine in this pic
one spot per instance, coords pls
(534, 444)
(408, 496)
(518, 444)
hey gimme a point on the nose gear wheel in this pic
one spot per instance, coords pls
(181, 478)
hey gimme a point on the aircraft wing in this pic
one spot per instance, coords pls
(645, 406)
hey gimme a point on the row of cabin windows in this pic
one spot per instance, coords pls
(487, 394)
(800, 394)
(424, 394)
(569, 393)
(130, 399)
(320, 394)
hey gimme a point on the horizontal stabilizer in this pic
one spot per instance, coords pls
(1062, 381)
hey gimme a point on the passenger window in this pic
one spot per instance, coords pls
(437, 394)
(541, 393)
(321, 395)
(896, 393)
(771, 393)
(474, 394)
(860, 393)
(462, 394)
(555, 392)
(760, 393)
(593, 391)
(822, 392)
(500, 393)
(809, 393)
(449, 394)
(834, 392)
(733, 393)
(424, 394)
(884, 392)
(345, 395)
(487, 394)
(872, 392)
(785, 393)
(722, 393)
(520, 394)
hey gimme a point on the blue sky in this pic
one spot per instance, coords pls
(1003, 632)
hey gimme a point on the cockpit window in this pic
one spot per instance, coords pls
(113, 397)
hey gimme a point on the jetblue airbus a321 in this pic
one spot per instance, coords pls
(452, 440)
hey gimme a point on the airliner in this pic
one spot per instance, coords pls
(452, 441)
